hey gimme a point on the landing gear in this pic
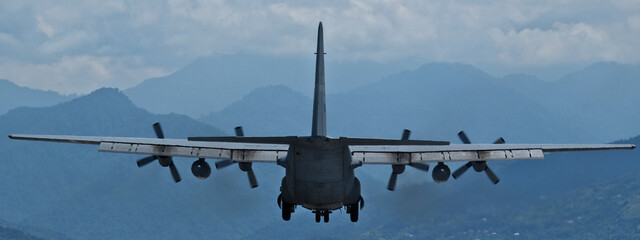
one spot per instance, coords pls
(354, 209)
(286, 211)
(322, 214)
(353, 212)
(287, 208)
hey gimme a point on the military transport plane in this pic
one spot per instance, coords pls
(320, 169)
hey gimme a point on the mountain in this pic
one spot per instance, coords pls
(12, 96)
(600, 99)
(85, 194)
(579, 195)
(435, 101)
(596, 191)
(15, 234)
(439, 99)
(614, 213)
(267, 111)
(90, 195)
(10, 231)
(609, 210)
(211, 83)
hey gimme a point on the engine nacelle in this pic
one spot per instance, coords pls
(201, 169)
(441, 173)
(165, 161)
(479, 166)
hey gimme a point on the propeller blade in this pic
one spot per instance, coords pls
(492, 175)
(463, 137)
(420, 166)
(174, 172)
(239, 131)
(252, 178)
(158, 129)
(461, 170)
(146, 160)
(392, 181)
(405, 134)
(223, 164)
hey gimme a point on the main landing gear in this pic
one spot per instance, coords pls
(354, 210)
(287, 208)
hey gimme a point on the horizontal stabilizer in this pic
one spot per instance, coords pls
(389, 142)
(268, 140)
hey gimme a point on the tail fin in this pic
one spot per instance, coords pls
(319, 127)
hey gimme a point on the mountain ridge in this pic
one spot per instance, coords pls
(12, 96)
(439, 99)
(211, 83)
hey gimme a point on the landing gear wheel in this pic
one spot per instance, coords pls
(353, 214)
(326, 216)
(317, 217)
(286, 211)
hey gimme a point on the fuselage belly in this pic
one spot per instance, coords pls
(319, 175)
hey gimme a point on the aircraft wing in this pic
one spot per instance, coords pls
(406, 154)
(238, 152)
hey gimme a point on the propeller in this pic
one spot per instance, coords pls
(244, 166)
(399, 168)
(478, 166)
(165, 161)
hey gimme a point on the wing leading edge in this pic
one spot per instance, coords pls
(238, 152)
(368, 151)
(405, 154)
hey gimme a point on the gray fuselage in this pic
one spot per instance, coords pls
(319, 174)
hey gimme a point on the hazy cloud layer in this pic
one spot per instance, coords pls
(77, 46)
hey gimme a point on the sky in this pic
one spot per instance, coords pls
(79, 46)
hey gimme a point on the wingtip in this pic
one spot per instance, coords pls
(11, 136)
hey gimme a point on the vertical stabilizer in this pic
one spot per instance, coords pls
(319, 127)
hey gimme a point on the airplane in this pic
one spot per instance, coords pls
(320, 169)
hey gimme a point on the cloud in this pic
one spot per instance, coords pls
(44, 27)
(79, 74)
(634, 22)
(562, 43)
(8, 40)
(167, 35)
(65, 42)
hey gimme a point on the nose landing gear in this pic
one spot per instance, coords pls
(322, 214)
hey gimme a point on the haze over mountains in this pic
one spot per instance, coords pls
(84, 194)
(596, 104)
(212, 83)
(12, 96)
(435, 100)
(90, 195)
